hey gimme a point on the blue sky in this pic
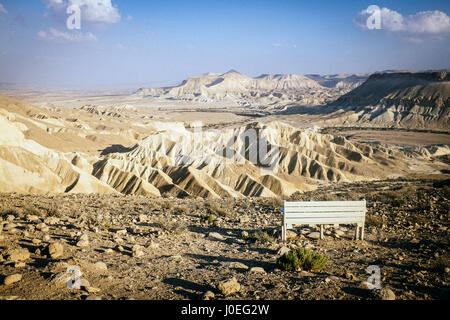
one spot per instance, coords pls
(150, 43)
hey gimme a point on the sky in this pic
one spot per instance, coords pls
(128, 43)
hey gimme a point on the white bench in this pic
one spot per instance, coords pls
(324, 212)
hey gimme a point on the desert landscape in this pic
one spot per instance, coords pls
(113, 189)
(175, 191)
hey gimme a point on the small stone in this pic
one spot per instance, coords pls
(229, 287)
(93, 297)
(257, 270)
(101, 266)
(92, 289)
(215, 236)
(244, 234)
(447, 269)
(12, 279)
(314, 235)
(291, 235)
(385, 294)
(19, 265)
(122, 232)
(51, 220)
(331, 278)
(10, 217)
(208, 295)
(283, 250)
(143, 218)
(55, 250)
(235, 265)
(36, 241)
(84, 283)
(18, 255)
(109, 250)
(83, 241)
(303, 273)
(32, 218)
(119, 248)
(83, 237)
(244, 219)
(137, 251)
(349, 275)
(42, 227)
(153, 245)
(46, 238)
(9, 226)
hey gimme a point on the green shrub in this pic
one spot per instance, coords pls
(210, 218)
(262, 237)
(302, 259)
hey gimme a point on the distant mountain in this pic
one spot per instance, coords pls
(235, 87)
(407, 99)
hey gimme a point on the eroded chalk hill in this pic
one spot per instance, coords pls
(400, 99)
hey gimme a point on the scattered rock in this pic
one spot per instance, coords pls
(51, 220)
(143, 218)
(55, 250)
(208, 295)
(384, 294)
(92, 289)
(18, 255)
(257, 270)
(9, 226)
(283, 250)
(101, 266)
(93, 297)
(12, 279)
(229, 287)
(291, 235)
(42, 227)
(83, 241)
(235, 265)
(153, 245)
(314, 235)
(137, 251)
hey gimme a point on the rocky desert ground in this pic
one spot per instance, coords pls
(136, 247)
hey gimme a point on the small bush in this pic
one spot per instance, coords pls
(374, 221)
(210, 218)
(302, 259)
(32, 211)
(395, 199)
(53, 211)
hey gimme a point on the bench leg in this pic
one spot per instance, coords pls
(283, 232)
(357, 232)
(362, 232)
(321, 232)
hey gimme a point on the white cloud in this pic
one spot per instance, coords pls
(92, 11)
(59, 36)
(422, 23)
(2, 9)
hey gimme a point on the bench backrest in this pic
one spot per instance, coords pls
(324, 212)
